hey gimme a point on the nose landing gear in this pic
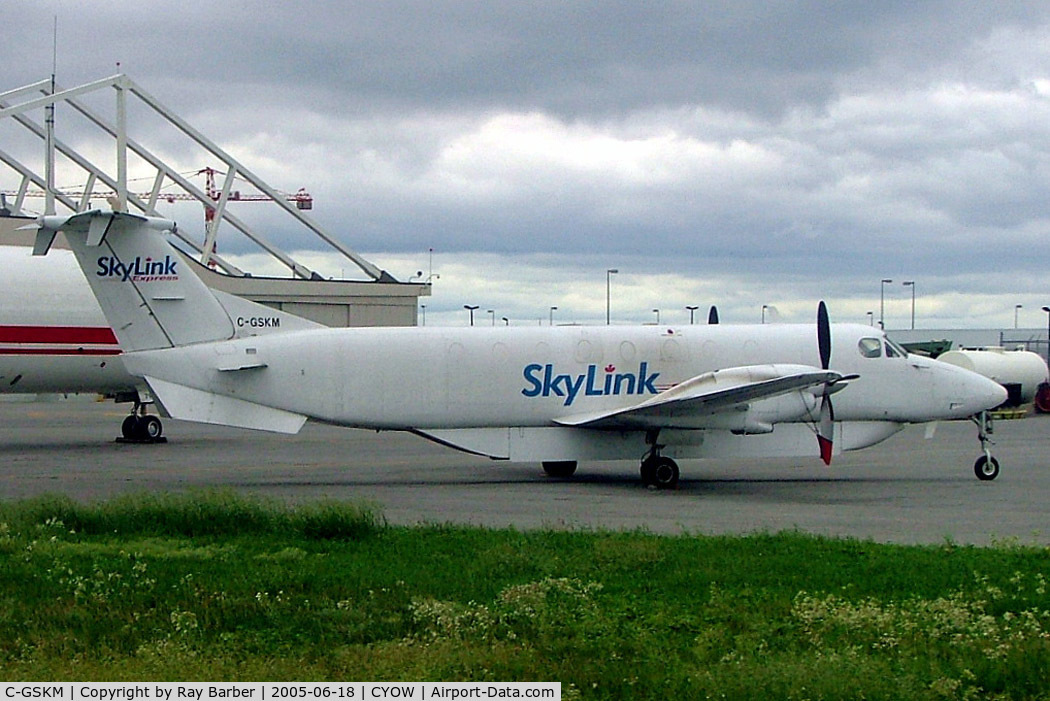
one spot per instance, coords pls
(987, 467)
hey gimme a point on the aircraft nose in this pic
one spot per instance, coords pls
(984, 393)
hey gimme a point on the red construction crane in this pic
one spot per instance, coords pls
(302, 198)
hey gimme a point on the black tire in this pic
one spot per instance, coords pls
(665, 473)
(151, 428)
(130, 428)
(560, 468)
(986, 469)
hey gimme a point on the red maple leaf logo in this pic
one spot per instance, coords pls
(610, 368)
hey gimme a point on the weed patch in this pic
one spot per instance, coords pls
(214, 586)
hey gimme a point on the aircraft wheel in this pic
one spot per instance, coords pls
(986, 468)
(150, 427)
(130, 427)
(560, 468)
(664, 473)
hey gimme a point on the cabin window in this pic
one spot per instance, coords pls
(870, 347)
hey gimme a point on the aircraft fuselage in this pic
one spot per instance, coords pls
(515, 376)
(53, 335)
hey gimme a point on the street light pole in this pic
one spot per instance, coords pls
(1017, 308)
(882, 302)
(657, 312)
(911, 284)
(550, 316)
(691, 309)
(470, 308)
(1047, 310)
(424, 308)
(764, 308)
(608, 284)
(492, 313)
(871, 318)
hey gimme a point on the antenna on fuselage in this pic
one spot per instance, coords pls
(712, 316)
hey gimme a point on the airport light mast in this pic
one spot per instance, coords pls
(911, 284)
(882, 302)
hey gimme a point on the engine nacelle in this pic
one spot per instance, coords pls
(763, 415)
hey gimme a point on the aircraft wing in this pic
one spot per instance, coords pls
(709, 399)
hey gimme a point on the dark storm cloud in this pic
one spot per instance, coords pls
(813, 145)
(571, 59)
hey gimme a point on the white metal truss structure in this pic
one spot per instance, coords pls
(44, 94)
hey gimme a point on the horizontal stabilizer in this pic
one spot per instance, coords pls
(190, 404)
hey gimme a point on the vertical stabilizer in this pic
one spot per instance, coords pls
(149, 296)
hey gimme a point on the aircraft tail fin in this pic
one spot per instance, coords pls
(147, 293)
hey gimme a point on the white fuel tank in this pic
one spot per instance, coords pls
(1019, 371)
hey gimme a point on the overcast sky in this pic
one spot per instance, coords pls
(731, 153)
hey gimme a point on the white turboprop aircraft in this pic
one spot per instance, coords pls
(553, 395)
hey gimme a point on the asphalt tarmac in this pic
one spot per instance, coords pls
(905, 490)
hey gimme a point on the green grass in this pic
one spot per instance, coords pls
(213, 586)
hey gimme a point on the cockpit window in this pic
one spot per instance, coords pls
(895, 351)
(870, 347)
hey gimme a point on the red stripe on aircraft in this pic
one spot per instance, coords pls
(60, 351)
(101, 335)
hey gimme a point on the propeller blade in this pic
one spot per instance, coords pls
(823, 335)
(826, 431)
(712, 316)
(826, 435)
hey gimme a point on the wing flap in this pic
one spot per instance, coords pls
(191, 404)
(708, 395)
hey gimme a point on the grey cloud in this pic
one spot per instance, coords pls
(809, 143)
(570, 59)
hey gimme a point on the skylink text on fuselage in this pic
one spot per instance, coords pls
(543, 382)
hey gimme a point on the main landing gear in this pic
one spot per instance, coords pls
(987, 467)
(658, 470)
(140, 427)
